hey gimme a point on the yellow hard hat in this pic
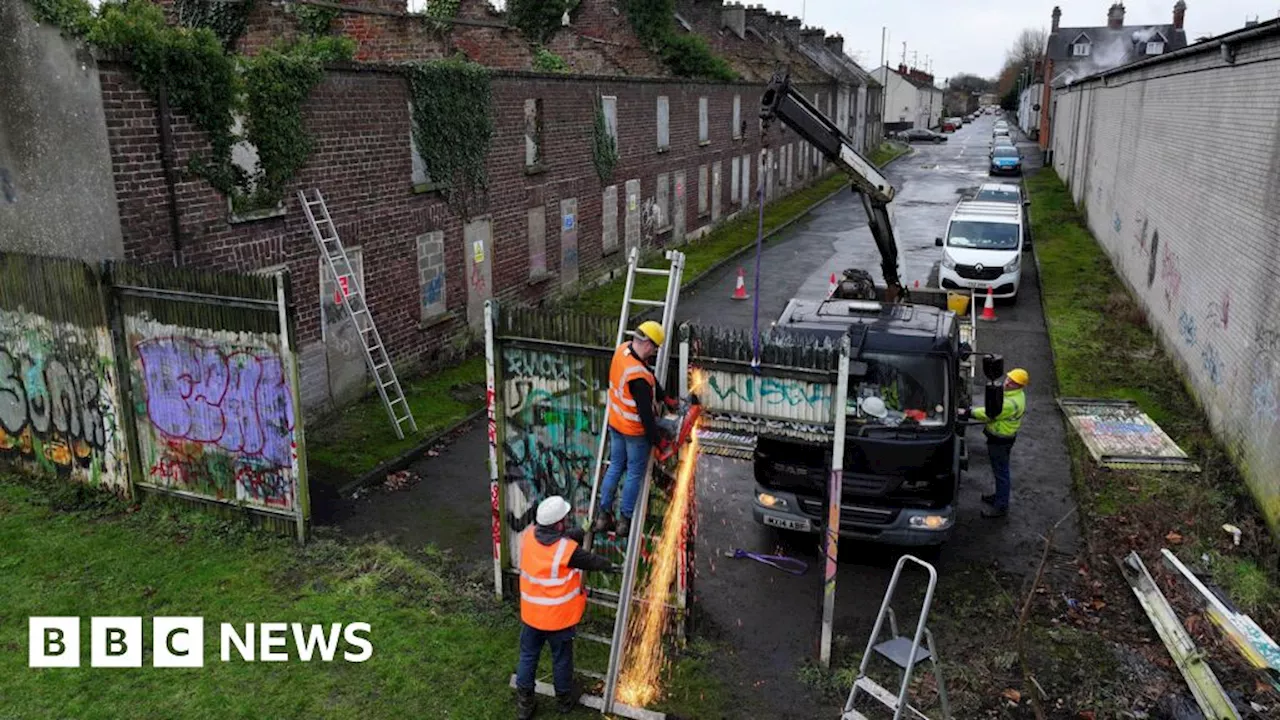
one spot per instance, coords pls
(1019, 376)
(653, 331)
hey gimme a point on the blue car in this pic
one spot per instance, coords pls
(1006, 161)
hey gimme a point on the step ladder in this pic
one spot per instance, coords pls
(902, 652)
(620, 602)
(345, 279)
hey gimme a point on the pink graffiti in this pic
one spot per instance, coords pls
(495, 525)
(238, 401)
(1171, 275)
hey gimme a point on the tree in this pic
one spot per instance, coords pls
(1027, 48)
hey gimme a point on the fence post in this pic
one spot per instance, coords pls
(302, 497)
(127, 422)
(832, 531)
(492, 364)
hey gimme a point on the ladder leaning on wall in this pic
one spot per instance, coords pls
(348, 284)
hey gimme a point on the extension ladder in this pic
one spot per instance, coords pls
(900, 651)
(621, 603)
(346, 282)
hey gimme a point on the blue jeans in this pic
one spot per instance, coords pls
(630, 453)
(561, 642)
(999, 453)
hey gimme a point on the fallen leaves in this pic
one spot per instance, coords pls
(1173, 538)
(1012, 695)
(402, 480)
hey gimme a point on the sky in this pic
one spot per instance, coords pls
(971, 36)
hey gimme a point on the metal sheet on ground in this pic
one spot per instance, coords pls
(1120, 436)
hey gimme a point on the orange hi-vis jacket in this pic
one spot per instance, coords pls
(551, 593)
(622, 407)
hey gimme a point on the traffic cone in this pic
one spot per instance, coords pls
(740, 292)
(831, 286)
(989, 308)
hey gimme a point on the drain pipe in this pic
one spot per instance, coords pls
(167, 162)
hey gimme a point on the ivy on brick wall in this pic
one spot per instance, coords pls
(538, 19)
(226, 19)
(452, 127)
(210, 86)
(546, 61)
(604, 151)
(686, 55)
(438, 12)
(313, 19)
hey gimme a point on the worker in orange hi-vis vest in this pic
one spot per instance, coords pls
(552, 600)
(634, 395)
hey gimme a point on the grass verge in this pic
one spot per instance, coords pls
(442, 646)
(353, 442)
(1104, 348)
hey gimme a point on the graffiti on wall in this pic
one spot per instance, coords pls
(215, 413)
(57, 400)
(553, 417)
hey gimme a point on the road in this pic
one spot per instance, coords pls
(767, 621)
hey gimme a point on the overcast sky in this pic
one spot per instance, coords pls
(972, 35)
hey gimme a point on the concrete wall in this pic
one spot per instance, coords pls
(57, 196)
(1028, 114)
(1177, 165)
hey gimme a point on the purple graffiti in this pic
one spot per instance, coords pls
(238, 401)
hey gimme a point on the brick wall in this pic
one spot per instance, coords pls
(359, 122)
(1177, 166)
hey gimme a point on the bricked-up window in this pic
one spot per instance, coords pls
(664, 124)
(704, 130)
(533, 134)
(421, 177)
(703, 190)
(538, 243)
(609, 106)
(737, 118)
(431, 275)
(333, 317)
(661, 210)
(733, 180)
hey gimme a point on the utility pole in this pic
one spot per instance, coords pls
(904, 52)
(884, 88)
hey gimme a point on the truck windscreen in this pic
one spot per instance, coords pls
(912, 389)
(983, 235)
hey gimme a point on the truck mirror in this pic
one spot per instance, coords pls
(993, 367)
(993, 402)
(1026, 203)
(937, 241)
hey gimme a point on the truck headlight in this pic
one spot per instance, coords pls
(770, 501)
(930, 522)
(947, 262)
(1013, 265)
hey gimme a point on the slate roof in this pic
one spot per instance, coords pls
(1112, 47)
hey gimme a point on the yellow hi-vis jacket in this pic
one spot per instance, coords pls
(1006, 424)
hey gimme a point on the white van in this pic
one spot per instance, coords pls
(983, 248)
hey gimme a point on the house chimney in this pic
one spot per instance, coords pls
(734, 17)
(1057, 17)
(902, 69)
(813, 36)
(756, 16)
(835, 43)
(1115, 16)
(792, 28)
(1179, 14)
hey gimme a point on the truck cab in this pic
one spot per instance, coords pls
(904, 451)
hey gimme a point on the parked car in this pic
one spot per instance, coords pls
(999, 132)
(983, 248)
(1006, 161)
(1000, 141)
(1010, 194)
(922, 135)
(949, 126)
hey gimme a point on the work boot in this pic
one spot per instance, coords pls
(526, 704)
(603, 522)
(994, 512)
(624, 527)
(567, 702)
(989, 498)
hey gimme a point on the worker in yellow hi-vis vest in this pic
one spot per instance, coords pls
(1001, 432)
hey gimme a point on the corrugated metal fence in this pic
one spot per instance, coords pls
(153, 380)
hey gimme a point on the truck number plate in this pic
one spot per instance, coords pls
(785, 524)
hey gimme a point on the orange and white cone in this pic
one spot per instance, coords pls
(989, 308)
(740, 292)
(831, 286)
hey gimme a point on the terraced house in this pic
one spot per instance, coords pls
(591, 132)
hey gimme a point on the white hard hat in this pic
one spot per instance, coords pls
(553, 510)
(874, 407)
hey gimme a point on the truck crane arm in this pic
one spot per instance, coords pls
(782, 101)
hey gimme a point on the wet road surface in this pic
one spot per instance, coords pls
(766, 621)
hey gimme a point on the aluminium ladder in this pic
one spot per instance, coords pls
(346, 282)
(621, 604)
(900, 651)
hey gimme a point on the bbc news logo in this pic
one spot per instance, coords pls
(178, 642)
